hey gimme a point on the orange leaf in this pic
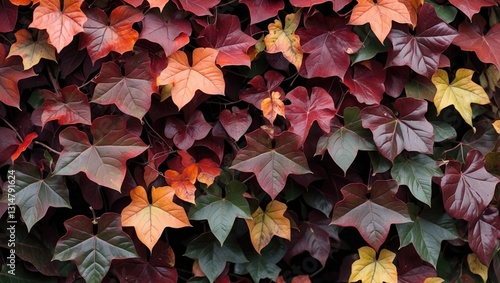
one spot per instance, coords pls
(380, 15)
(272, 106)
(207, 168)
(149, 219)
(266, 224)
(204, 75)
(285, 40)
(24, 145)
(32, 51)
(183, 184)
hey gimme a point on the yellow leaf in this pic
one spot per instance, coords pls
(477, 267)
(496, 125)
(460, 93)
(370, 269)
(266, 224)
(272, 106)
(32, 51)
(285, 40)
(434, 280)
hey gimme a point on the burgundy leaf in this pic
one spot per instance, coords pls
(365, 81)
(70, 107)
(337, 4)
(261, 10)
(236, 123)
(185, 134)
(262, 88)
(197, 7)
(8, 14)
(484, 234)
(8, 145)
(472, 7)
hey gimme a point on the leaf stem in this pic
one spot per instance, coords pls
(94, 218)
(47, 147)
(55, 83)
(12, 128)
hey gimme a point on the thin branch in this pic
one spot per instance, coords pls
(12, 128)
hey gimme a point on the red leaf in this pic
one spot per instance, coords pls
(103, 35)
(484, 234)
(70, 107)
(366, 82)
(8, 14)
(371, 212)
(8, 145)
(198, 7)
(271, 164)
(303, 110)
(226, 36)
(207, 168)
(236, 123)
(472, 7)
(421, 51)
(261, 10)
(471, 38)
(410, 131)
(184, 134)
(183, 184)
(11, 72)
(262, 89)
(467, 192)
(337, 4)
(327, 39)
(24, 145)
(130, 92)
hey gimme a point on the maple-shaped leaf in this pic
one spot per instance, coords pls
(380, 14)
(410, 130)
(93, 253)
(32, 51)
(34, 194)
(262, 88)
(303, 111)
(10, 74)
(261, 10)
(130, 92)
(484, 233)
(272, 107)
(285, 40)
(185, 134)
(460, 93)
(8, 14)
(70, 107)
(422, 50)
(61, 23)
(265, 224)
(371, 212)
(24, 145)
(365, 81)
(416, 172)
(222, 211)
(171, 34)
(212, 256)
(326, 40)
(226, 36)
(264, 265)
(344, 141)
(203, 75)
(472, 38)
(468, 191)
(103, 35)
(236, 122)
(150, 219)
(271, 164)
(198, 7)
(207, 169)
(472, 7)
(369, 268)
(183, 184)
(428, 229)
(103, 161)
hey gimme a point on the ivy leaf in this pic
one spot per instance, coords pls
(410, 131)
(185, 134)
(32, 51)
(460, 93)
(222, 211)
(103, 35)
(93, 253)
(261, 10)
(198, 7)
(285, 40)
(303, 111)
(372, 215)
(150, 219)
(365, 81)
(130, 92)
(370, 269)
(236, 122)
(61, 25)
(344, 141)
(208, 170)
(416, 172)
(203, 75)
(484, 233)
(212, 257)
(472, 7)
(271, 164)
(183, 184)
(265, 224)
(35, 194)
(261, 266)
(272, 107)
(427, 231)
(262, 88)
(70, 107)
(103, 161)
(326, 40)
(468, 191)
(421, 51)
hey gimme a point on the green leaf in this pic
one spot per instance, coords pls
(93, 253)
(379, 163)
(427, 231)
(447, 13)
(416, 172)
(421, 88)
(318, 200)
(222, 211)
(371, 45)
(211, 256)
(263, 265)
(443, 131)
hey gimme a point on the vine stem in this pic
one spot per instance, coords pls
(94, 218)
(55, 83)
(47, 147)
(12, 128)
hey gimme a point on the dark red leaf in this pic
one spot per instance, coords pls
(197, 7)
(8, 14)
(8, 145)
(261, 10)
(262, 89)
(395, 80)
(185, 134)
(70, 107)
(472, 7)
(236, 123)
(365, 81)
(484, 234)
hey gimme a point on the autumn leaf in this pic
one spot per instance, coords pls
(208, 170)
(472, 7)
(369, 268)
(24, 145)
(61, 25)
(236, 122)
(460, 93)
(8, 14)
(70, 107)
(203, 75)
(262, 88)
(266, 224)
(183, 184)
(102, 35)
(184, 134)
(285, 40)
(261, 10)
(272, 107)
(484, 233)
(150, 219)
(32, 51)
(477, 267)
(365, 81)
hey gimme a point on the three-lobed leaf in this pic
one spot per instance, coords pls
(369, 268)
(70, 107)
(32, 51)
(285, 40)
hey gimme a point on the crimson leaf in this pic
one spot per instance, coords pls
(185, 134)
(236, 122)
(261, 10)
(484, 234)
(71, 107)
(365, 81)
(261, 88)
